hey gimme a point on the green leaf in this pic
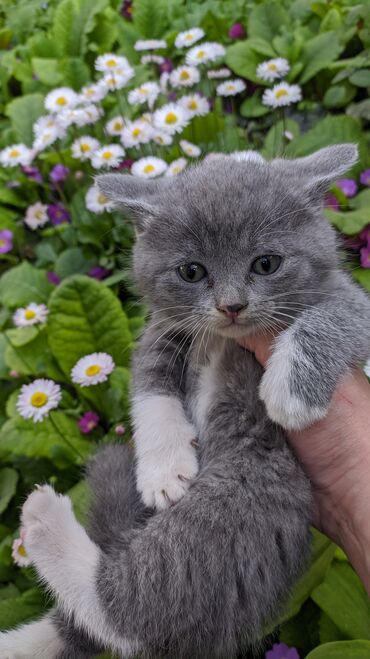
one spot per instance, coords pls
(33, 357)
(8, 486)
(76, 73)
(266, 20)
(328, 630)
(360, 78)
(22, 335)
(318, 53)
(73, 21)
(86, 317)
(252, 107)
(343, 598)
(47, 70)
(275, 141)
(342, 650)
(349, 222)
(150, 18)
(24, 284)
(21, 608)
(80, 497)
(331, 21)
(338, 96)
(58, 440)
(361, 200)
(23, 112)
(362, 276)
(71, 262)
(243, 60)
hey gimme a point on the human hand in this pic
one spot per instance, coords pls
(335, 454)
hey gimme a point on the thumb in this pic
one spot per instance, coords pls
(261, 346)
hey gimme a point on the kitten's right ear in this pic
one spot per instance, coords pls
(138, 197)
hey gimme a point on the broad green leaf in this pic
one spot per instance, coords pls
(4, 371)
(361, 200)
(8, 486)
(71, 262)
(302, 631)
(73, 21)
(9, 591)
(360, 78)
(342, 650)
(150, 18)
(23, 112)
(338, 96)
(76, 73)
(265, 20)
(349, 222)
(24, 284)
(362, 276)
(328, 630)
(318, 53)
(252, 107)
(22, 335)
(33, 357)
(343, 598)
(47, 70)
(86, 317)
(57, 438)
(21, 608)
(276, 141)
(80, 497)
(243, 60)
(331, 21)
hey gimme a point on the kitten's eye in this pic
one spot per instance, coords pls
(266, 265)
(192, 272)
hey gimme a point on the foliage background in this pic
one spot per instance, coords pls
(44, 45)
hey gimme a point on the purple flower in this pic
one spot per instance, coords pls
(57, 214)
(126, 10)
(32, 173)
(58, 174)
(53, 278)
(331, 202)
(281, 651)
(237, 31)
(97, 272)
(125, 164)
(6, 241)
(348, 186)
(166, 66)
(365, 177)
(88, 422)
(364, 235)
(365, 256)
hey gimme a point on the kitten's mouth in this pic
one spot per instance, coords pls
(235, 328)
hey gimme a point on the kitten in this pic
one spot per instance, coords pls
(194, 548)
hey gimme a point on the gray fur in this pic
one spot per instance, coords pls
(211, 572)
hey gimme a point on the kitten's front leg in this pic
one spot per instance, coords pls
(166, 459)
(313, 354)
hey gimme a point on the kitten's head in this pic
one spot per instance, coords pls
(235, 243)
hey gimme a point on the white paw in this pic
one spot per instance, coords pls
(289, 411)
(163, 482)
(46, 520)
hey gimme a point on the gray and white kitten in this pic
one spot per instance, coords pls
(231, 247)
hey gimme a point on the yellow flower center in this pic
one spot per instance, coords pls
(280, 93)
(2, 242)
(118, 125)
(230, 88)
(272, 67)
(39, 215)
(143, 92)
(14, 153)
(102, 199)
(176, 170)
(192, 105)
(184, 75)
(89, 92)
(21, 551)
(107, 155)
(136, 132)
(171, 118)
(61, 100)
(85, 147)
(29, 314)
(94, 369)
(111, 62)
(189, 37)
(39, 399)
(148, 169)
(200, 54)
(160, 139)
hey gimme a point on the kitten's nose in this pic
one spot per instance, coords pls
(231, 310)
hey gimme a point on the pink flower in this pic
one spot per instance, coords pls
(365, 177)
(88, 422)
(365, 256)
(120, 429)
(348, 186)
(331, 202)
(237, 31)
(6, 241)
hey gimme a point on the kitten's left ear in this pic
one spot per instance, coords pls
(317, 172)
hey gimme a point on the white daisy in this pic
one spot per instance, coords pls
(93, 93)
(149, 167)
(37, 399)
(61, 99)
(164, 79)
(19, 553)
(214, 74)
(272, 69)
(152, 59)
(32, 314)
(187, 38)
(171, 118)
(184, 76)
(150, 44)
(17, 154)
(176, 167)
(83, 147)
(47, 121)
(107, 156)
(191, 150)
(118, 79)
(92, 369)
(110, 63)
(96, 201)
(87, 115)
(247, 156)
(136, 132)
(115, 126)
(231, 87)
(195, 104)
(282, 94)
(36, 215)
(205, 52)
(162, 138)
(146, 93)
(46, 137)
(367, 368)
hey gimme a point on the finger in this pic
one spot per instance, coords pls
(261, 346)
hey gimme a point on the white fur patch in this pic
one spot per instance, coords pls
(37, 640)
(166, 460)
(282, 407)
(67, 560)
(206, 388)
